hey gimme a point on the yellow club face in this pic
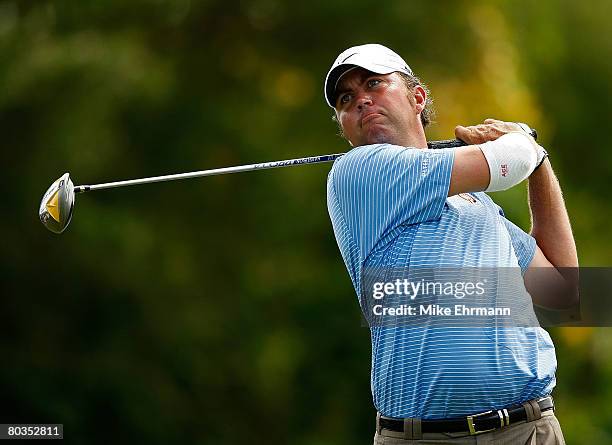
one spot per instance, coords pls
(52, 206)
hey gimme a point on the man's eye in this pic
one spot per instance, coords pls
(345, 98)
(373, 82)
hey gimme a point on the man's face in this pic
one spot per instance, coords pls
(375, 108)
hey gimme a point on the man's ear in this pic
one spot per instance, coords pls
(420, 98)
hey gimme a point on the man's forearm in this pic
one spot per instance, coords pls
(550, 224)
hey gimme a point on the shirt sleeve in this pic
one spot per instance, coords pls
(524, 244)
(377, 188)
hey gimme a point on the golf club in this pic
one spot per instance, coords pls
(57, 204)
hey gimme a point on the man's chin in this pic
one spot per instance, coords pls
(379, 138)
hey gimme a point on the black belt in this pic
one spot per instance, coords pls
(474, 424)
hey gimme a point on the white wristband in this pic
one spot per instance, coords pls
(542, 154)
(511, 158)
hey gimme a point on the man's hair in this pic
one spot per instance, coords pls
(411, 81)
(428, 113)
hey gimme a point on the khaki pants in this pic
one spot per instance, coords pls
(543, 431)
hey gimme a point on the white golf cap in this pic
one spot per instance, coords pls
(373, 57)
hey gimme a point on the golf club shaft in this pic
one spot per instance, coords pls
(212, 172)
(243, 168)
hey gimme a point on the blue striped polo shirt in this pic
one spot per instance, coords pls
(389, 208)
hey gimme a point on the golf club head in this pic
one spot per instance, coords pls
(56, 205)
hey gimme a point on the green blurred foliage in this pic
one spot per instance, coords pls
(219, 310)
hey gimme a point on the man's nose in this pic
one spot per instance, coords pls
(364, 100)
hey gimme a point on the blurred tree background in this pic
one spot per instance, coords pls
(219, 310)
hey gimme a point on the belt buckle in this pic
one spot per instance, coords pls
(472, 428)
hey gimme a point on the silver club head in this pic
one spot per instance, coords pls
(57, 204)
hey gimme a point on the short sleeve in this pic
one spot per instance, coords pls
(524, 244)
(377, 188)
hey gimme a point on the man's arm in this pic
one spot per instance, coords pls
(470, 171)
(506, 157)
(552, 276)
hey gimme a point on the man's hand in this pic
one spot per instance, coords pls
(492, 129)
(486, 164)
(489, 130)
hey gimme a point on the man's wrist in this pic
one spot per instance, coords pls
(543, 154)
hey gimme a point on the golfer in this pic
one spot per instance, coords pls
(394, 203)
